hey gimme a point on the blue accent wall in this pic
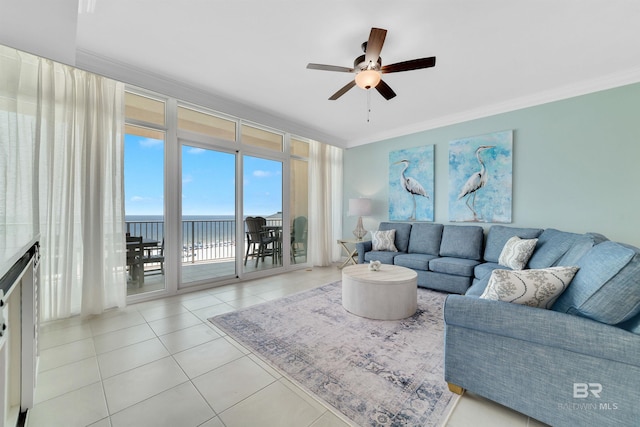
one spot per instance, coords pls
(576, 165)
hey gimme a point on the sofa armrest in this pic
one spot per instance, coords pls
(361, 248)
(531, 359)
(544, 327)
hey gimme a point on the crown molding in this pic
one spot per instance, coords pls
(170, 87)
(585, 87)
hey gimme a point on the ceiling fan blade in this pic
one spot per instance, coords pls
(414, 64)
(374, 45)
(329, 68)
(385, 90)
(342, 91)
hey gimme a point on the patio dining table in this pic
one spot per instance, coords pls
(275, 231)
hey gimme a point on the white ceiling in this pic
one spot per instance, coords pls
(492, 56)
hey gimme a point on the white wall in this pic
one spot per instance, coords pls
(43, 27)
(576, 165)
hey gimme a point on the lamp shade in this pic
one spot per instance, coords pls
(367, 79)
(360, 207)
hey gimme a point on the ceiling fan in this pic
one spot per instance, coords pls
(368, 67)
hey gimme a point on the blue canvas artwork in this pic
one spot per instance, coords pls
(480, 178)
(411, 184)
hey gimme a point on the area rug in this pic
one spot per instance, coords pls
(377, 373)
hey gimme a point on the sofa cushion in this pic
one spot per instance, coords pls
(461, 241)
(403, 231)
(607, 286)
(478, 287)
(516, 252)
(580, 247)
(484, 269)
(535, 288)
(382, 256)
(414, 261)
(498, 236)
(552, 245)
(631, 325)
(445, 282)
(454, 266)
(383, 240)
(425, 238)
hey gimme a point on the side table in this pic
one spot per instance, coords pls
(351, 253)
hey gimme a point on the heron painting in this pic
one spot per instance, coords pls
(480, 178)
(411, 184)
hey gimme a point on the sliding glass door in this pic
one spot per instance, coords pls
(144, 209)
(208, 223)
(299, 200)
(262, 203)
(213, 198)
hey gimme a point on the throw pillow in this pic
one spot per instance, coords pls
(516, 252)
(535, 288)
(383, 240)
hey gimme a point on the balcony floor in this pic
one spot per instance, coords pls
(194, 272)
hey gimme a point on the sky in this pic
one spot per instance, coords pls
(208, 181)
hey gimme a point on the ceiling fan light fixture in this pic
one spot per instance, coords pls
(369, 68)
(367, 79)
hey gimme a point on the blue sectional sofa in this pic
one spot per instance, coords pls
(576, 364)
(444, 256)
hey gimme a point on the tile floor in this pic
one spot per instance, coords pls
(161, 363)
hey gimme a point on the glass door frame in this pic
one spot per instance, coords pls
(173, 192)
(167, 129)
(206, 143)
(286, 230)
(285, 158)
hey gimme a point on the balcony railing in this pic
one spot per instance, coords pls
(202, 240)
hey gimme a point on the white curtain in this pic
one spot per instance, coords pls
(81, 120)
(18, 207)
(325, 216)
(76, 130)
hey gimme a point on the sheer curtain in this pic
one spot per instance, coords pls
(18, 207)
(80, 123)
(325, 216)
(74, 120)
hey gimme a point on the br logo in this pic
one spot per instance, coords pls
(582, 390)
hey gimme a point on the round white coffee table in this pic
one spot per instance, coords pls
(388, 294)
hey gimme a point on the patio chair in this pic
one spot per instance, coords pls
(134, 259)
(155, 255)
(298, 237)
(260, 242)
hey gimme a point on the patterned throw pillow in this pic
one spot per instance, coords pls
(516, 252)
(383, 240)
(535, 288)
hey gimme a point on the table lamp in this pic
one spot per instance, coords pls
(359, 207)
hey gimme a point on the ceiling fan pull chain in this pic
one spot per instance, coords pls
(368, 105)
